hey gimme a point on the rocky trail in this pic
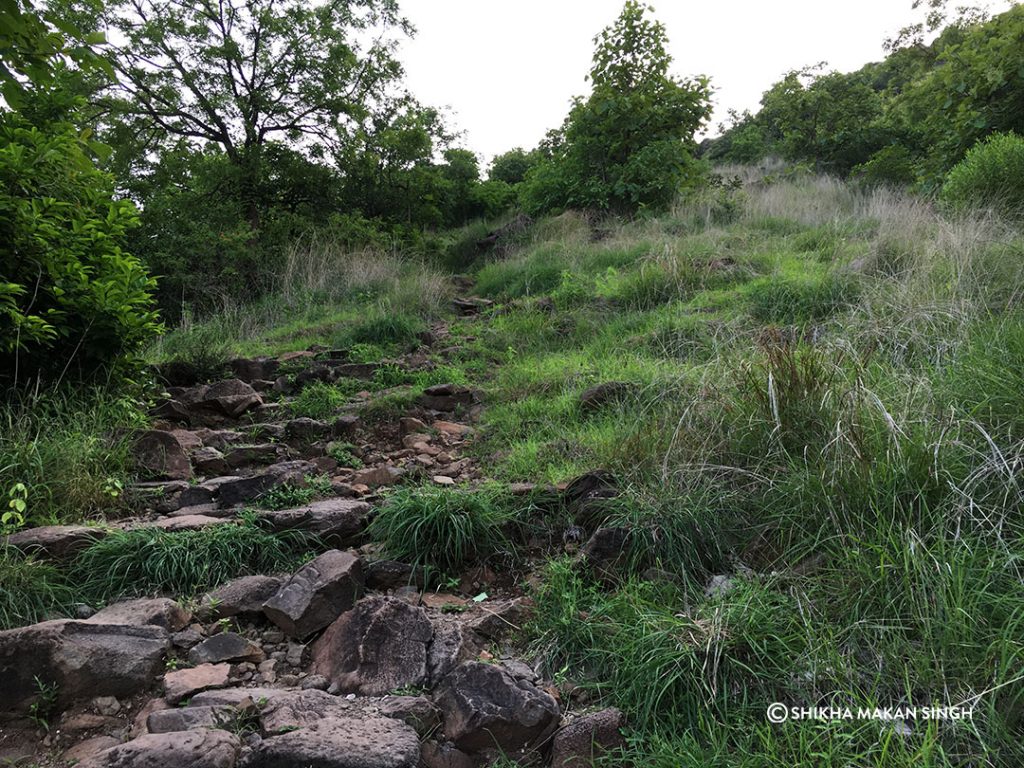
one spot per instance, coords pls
(345, 663)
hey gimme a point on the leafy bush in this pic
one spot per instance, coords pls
(71, 300)
(442, 530)
(147, 560)
(991, 175)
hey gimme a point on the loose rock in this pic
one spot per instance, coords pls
(316, 595)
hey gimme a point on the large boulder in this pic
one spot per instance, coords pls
(82, 660)
(156, 611)
(336, 742)
(316, 594)
(485, 708)
(378, 646)
(159, 455)
(582, 742)
(338, 522)
(188, 749)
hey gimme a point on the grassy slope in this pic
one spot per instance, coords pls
(825, 405)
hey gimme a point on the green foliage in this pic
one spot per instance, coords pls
(30, 589)
(629, 145)
(72, 302)
(147, 561)
(990, 176)
(443, 530)
(511, 167)
(387, 328)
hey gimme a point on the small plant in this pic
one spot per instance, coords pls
(343, 454)
(42, 710)
(17, 507)
(287, 496)
(30, 589)
(318, 400)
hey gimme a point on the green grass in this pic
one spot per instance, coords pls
(69, 452)
(443, 530)
(30, 589)
(320, 400)
(148, 561)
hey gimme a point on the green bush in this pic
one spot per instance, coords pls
(71, 300)
(990, 176)
(442, 530)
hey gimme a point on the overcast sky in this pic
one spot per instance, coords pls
(508, 68)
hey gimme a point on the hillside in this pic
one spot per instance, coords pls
(656, 475)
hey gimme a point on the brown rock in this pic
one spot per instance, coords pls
(587, 738)
(188, 749)
(376, 647)
(55, 541)
(160, 456)
(184, 683)
(316, 594)
(337, 742)
(157, 611)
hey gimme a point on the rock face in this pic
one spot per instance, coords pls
(189, 749)
(160, 455)
(339, 522)
(244, 597)
(317, 593)
(55, 541)
(335, 742)
(485, 708)
(587, 738)
(157, 612)
(82, 659)
(380, 645)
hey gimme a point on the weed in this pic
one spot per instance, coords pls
(30, 589)
(287, 495)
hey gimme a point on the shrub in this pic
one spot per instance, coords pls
(991, 175)
(71, 300)
(146, 560)
(443, 530)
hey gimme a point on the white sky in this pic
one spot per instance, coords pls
(508, 68)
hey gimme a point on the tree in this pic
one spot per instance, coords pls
(511, 167)
(242, 73)
(630, 144)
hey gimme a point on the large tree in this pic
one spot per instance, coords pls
(242, 73)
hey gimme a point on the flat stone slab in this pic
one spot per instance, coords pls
(55, 541)
(184, 683)
(373, 742)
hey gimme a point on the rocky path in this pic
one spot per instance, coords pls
(345, 663)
